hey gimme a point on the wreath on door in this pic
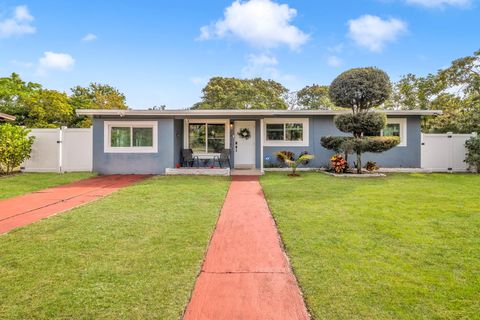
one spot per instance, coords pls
(244, 133)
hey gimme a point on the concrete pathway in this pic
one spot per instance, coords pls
(22, 210)
(246, 274)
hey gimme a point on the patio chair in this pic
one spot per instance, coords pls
(188, 159)
(224, 157)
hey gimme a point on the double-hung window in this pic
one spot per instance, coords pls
(207, 137)
(286, 132)
(130, 137)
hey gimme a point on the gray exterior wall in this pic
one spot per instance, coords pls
(170, 143)
(139, 163)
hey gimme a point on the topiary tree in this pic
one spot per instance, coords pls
(473, 153)
(360, 90)
(15, 147)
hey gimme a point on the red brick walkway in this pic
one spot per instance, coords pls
(26, 209)
(246, 274)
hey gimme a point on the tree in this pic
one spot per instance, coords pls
(360, 90)
(95, 96)
(13, 92)
(234, 93)
(473, 153)
(455, 90)
(15, 147)
(48, 109)
(314, 97)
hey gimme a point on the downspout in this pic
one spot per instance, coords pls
(261, 146)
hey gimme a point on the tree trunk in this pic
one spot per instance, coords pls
(359, 162)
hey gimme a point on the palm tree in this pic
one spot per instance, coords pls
(294, 163)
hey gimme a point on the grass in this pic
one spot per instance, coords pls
(132, 255)
(402, 247)
(11, 186)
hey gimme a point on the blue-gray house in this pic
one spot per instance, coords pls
(150, 141)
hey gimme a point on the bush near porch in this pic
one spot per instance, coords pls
(406, 246)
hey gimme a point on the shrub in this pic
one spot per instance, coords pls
(334, 143)
(367, 123)
(473, 153)
(282, 155)
(15, 147)
(293, 164)
(371, 166)
(339, 165)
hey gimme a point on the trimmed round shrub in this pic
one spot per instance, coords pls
(360, 89)
(366, 123)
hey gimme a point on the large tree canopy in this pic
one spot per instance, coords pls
(360, 89)
(36, 107)
(455, 90)
(234, 93)
(314, 97)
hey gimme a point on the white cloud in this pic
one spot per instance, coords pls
(373, 33)
(334, 61)
(440, 3)
(264, 66)
(261, 23)
(90, 37)
(19, 24)
(54, 61)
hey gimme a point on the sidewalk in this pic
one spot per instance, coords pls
(246, 274)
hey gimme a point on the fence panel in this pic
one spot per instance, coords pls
(60, 150)
(45, 155)
(77, 150)
(444, 152)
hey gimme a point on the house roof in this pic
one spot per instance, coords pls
(189, 112)
(4, 116)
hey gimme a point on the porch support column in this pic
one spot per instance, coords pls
(261, 146)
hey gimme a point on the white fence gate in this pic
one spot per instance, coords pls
(444, 152)
(60, 150)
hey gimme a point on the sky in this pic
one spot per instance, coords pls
(164, 52)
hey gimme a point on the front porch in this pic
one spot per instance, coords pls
(206, 171)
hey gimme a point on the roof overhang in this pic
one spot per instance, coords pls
(186, 113)
(5, 116)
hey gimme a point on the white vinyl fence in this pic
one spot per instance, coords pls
(60, 150)
(444, 152)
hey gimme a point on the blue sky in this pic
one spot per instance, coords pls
(163, 52)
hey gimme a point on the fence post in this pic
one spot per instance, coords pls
(60, 148)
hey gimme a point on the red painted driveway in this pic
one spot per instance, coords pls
(26, 209)
(246, 274)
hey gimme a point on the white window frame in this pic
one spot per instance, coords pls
(403, 129)
(186, 134)
(286, 143)
(107, 134)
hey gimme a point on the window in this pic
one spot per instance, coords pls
(207, 137)
(130, 136)
(286, 132)
(396, 127)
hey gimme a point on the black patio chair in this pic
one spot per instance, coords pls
(188, 159)
(224, 157)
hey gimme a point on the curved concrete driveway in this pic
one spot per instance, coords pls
(19, 211)
(246, 274)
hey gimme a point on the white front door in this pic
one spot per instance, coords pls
(244, 147)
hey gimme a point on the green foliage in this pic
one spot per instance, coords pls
(366, 123)
(360, 89)
(233, 93)
(48, 109)
(370, 144)
(455, 90)
(314, 97)
(15, 147)
(336, 144)
(294, 163)
(41, 108)
(282, 155)
(473, 153)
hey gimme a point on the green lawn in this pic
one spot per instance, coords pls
(132, 255)
(402, 247)
(28, 182)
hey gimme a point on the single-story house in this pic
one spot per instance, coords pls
(6, 117)
(150, 141)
